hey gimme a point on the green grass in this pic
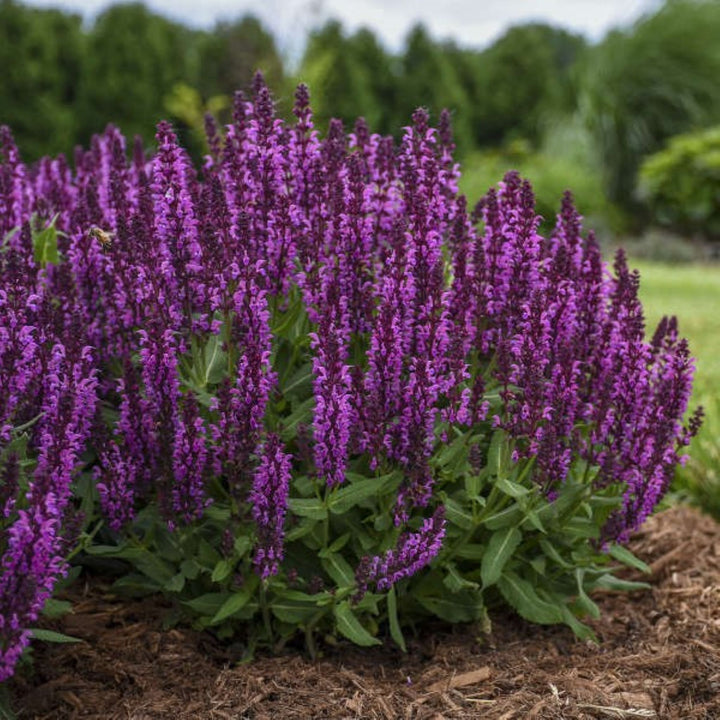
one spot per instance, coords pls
(692, 292)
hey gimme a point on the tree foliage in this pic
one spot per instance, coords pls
(41, 53)
(231, 54)
(133, 59)
(520, 79)
(644, 85)
(681, 183)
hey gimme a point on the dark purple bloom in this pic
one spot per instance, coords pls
(268, 499)
(412, 552)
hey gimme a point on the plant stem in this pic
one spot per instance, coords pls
(266, 613)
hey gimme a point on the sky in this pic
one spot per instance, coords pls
(472, 23)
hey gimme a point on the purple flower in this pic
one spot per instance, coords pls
(268, 499)
(412, 552)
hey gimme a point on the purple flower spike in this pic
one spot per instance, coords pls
(268, 499)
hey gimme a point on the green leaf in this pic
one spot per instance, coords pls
(471, 551)
(551, 551)
(349, 626)
(296, 607)
(232, 605)
(522, 596)
(473, 485)
(190, 569)
(361, 488)
(338, 568)
(208, 604)
(457, 514)
(533, 518)
(312, 508)
(539, 564)
(114, 551)
(395, 631)
(222, 571)
(500, 548)
(511, 488)
(498, 453)
(452, 455)
(581, 630)
(135, 585)
(581, 528)
(167, 544)
(610, 582)
(303, 528)
(150, 564)
(56, 608)
(301, 382)
(242, 545)
(219, 513)
(340, 543)
(302, 414)
(215, 361)
(45, 245)
(176, 583)
(142, 559)
(52, 637)
(465, 606)
(583, 600)
(509, 516)
(455, 582)
(207, 555)
(623, 555)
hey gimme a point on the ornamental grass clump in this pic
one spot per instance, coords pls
(336, 401)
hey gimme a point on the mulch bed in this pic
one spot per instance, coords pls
(659, 657)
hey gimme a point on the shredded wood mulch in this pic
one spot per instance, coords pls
(659, 657)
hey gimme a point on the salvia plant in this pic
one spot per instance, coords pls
(318, 394)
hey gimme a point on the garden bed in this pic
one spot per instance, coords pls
(659, 657)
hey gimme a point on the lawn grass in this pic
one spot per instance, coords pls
(692, 292)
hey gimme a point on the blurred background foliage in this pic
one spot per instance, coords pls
(631, 123)
(563, 111)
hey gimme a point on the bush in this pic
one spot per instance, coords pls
(553, 172)
(331, 404)
(681, 184)
(640, 87)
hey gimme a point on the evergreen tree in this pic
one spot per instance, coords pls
(233, 52)
(430, 79)
(341, 86)
(521, 79)
(134, 59)
(40, 63)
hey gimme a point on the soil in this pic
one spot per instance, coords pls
(658, 657)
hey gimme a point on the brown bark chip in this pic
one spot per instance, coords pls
(658, 657)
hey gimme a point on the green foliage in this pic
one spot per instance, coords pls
(133, 58)
(521, 79)
(640, 87)
(429, 79)
(505, 540)
(341, 84)
(553, 172)
(41, 54)
(681, 183)
(232, 53)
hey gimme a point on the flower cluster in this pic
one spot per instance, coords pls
(48, 400)
(299, 308)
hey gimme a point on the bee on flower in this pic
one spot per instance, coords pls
(104, 237)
